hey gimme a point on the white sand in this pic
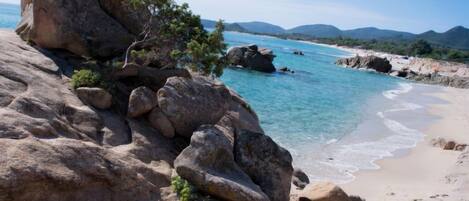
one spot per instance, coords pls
(421, 174)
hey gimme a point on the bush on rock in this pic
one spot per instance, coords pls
(85, 78)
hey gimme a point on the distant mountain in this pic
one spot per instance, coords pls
(369, 33)
(209, 23)
(457, 37)
(317, 30)
(235, 27)
(262, 27)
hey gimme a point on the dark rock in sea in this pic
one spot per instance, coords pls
(286, 70)
(252, 57)
(297, 52)
(378, 64)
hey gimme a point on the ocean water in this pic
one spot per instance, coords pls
(334, 121)
(9, 15)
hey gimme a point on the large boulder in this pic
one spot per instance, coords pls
(161, 123)
(142, 100)
(190, 103)
(68, 169)
(208, 163)
(85, 27)
(95, 97)
(56, 148)
(252, 58)
(268, 164)
(35, 101)
(378, 64)
(300, 179)
(323, 192)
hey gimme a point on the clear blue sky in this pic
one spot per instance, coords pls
(404, 15)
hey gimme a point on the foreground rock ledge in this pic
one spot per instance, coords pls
(59, 147)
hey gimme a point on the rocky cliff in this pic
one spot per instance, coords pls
(427, 71)
(59, 147)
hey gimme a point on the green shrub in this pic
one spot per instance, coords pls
(177, 38)
(85, 78)
(184, 190)
(187, 192)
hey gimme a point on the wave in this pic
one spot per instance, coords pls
(350, 158)
(404, 88)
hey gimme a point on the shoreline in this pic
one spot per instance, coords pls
(421, 173)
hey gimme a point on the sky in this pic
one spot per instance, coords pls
(414, 16)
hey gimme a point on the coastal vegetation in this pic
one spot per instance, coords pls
(452, 45)
(418, 48)
(175, 37)
(85, 78)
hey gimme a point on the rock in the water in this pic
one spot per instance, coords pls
(300, 179)
(190, 103)
(95, 97)
(378, 64)
(323, 192)
(161, 123)
(95, 28)
(268, 164)
(298, 52)
(252, 57)
(142, 100)
(208, 163)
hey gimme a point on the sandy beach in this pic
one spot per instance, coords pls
(423, 173)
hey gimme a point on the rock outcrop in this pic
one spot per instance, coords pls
(142, 100)
(190, 103)
(209, 164)
(57, 148)
(251, 57)
(323, 192)
(160, 122)
(106, 28)
(269, 165)
(95, 97)
(423, 70)
(378, 64)
(300, 179)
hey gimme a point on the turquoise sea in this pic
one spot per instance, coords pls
(9, 15)
(333, 120)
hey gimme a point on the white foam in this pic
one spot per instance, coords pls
(349, 158)
(403, 88)
(332, 141)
